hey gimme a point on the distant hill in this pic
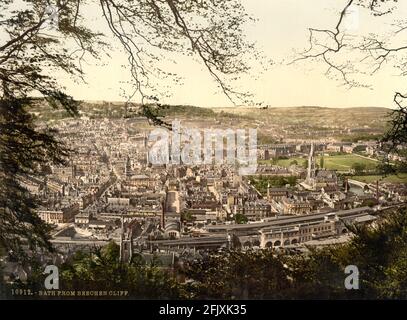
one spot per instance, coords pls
(314, 117)
(273, 124)
(101, 109)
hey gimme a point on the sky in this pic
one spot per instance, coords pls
(280, 29)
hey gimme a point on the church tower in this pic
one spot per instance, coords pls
(127, 168)
(311, 164)
(126, 242)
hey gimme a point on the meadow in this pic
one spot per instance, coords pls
(341, 163)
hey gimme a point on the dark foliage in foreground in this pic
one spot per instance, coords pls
(379, 251)
(23, 151)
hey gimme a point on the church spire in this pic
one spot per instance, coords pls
(311, 163)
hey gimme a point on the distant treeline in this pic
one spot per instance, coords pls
(104, 109)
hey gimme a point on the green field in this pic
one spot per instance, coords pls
(335, 162)
(400, 178)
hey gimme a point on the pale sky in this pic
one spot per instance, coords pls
(281, 28)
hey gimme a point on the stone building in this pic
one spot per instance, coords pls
(318, 178)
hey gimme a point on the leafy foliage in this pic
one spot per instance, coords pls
(102, 270)
(241, 218)
(187, 216)
(23, 150)
(46, 38)
(262, 182)
(237, 275)
(321, 162)
(379, 252)
(359, 167)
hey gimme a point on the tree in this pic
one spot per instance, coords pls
(395, 138)
(102, 270)
(359, 167)
(351, 57)
(370, 203)
(186, 216)
(321, 162)
(379, 252)
(317, 274)
(45, 38)
(241, 218)
(369, 50)
(305, 164)
(23, 150)
(261, 183)
(294, 163)
(3, 286)
(237, 275)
